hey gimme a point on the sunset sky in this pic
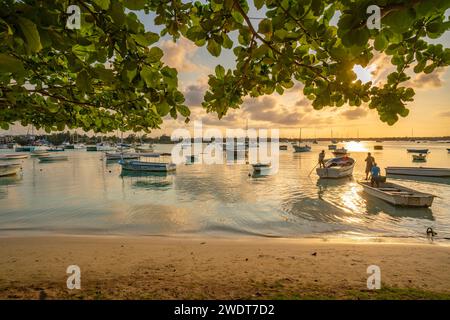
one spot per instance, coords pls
(429, 113)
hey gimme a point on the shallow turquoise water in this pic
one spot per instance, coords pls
(86, 195)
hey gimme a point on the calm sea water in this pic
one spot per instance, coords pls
(86, 195)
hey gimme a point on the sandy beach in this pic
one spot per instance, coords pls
(209, 268)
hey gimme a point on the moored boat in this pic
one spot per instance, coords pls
(417, 150)
(9, 169)
(283, 147)
(448, 150)
(337, 168)
(398, 195)
(120, 155)
(332, 147)
(419, 171)
(39, 153)
(91, 148)
(378, 147)
(25, 148)
(301, 148)
(53, 158)
(145, 166)
(419, 157)
(258, 167)
(340, 152)
(13, 156)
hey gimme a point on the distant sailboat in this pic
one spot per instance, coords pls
(299, 147)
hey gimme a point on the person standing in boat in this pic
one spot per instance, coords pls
(375, 175)
(322, 159)
(369, 164)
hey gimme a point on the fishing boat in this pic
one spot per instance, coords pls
(340, 152)
(39, 153)
(25, 148)
(301, 148)
(13, 156)
(337, 168)
(332, 147)
(91, 148)
(417, 150)
(378, 147)
(419, 171)
(419, 157)
(258, 167)
(110, 156)
(53, 158)
(283, 147)
(398, 195)
(149, 166)
(9, 169)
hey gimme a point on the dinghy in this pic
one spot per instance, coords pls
(378, 147)
(419, 171)
(9, 169)
(110, 156)
(337, 168)
(258, 167)
(398, 195)
(38, 153)
(417, 150)
(340, 152)
(285, 147)
(146, 166)
(419, 157)
(332, 147)
(300, 148)
(13, 156)
(53, 158)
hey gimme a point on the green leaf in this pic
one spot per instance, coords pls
(146, 39)
(381, 42)
(220, 72)
(10, 64)
(104, 4)
(83, 81)
(154, 55)
(265, 26)
(214, 48)
(134, 4)
(184, 111)
(31, 34)
(148, 76)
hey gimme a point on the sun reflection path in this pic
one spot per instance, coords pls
(353, 146)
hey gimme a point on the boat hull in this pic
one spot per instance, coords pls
(13, 156)
(53, 158)
(417, 150)
(402, 196)
(9, 169)
(336, 172)
(419, 171)
(147, 166)
(302, 149)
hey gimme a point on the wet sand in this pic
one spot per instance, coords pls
(211, 268)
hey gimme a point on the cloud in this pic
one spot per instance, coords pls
(194, 94)
(179, 54)
(354, 114)
(427, 81)
(445, 114)
(303, 102)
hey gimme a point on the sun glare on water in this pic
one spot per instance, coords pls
(354, 146)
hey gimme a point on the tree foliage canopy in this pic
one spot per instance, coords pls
(109, 75)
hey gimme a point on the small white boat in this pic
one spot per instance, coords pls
(146, 166)
(398, 195)
(13, 156)
(53, 158)
(9, 169)
(419, 171)
(419, 157)
(258, 167)
(340, 152)
(337, 168)
(39, 153)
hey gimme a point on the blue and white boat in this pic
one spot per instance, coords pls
(149, 166)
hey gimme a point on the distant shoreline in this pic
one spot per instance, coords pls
(116, 267)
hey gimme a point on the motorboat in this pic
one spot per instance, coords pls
(149, 166)
(419, 171)
(13, 156)
(418, 151)
(9, 169)
(53, 158)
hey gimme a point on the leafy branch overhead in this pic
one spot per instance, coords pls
(109, 73)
